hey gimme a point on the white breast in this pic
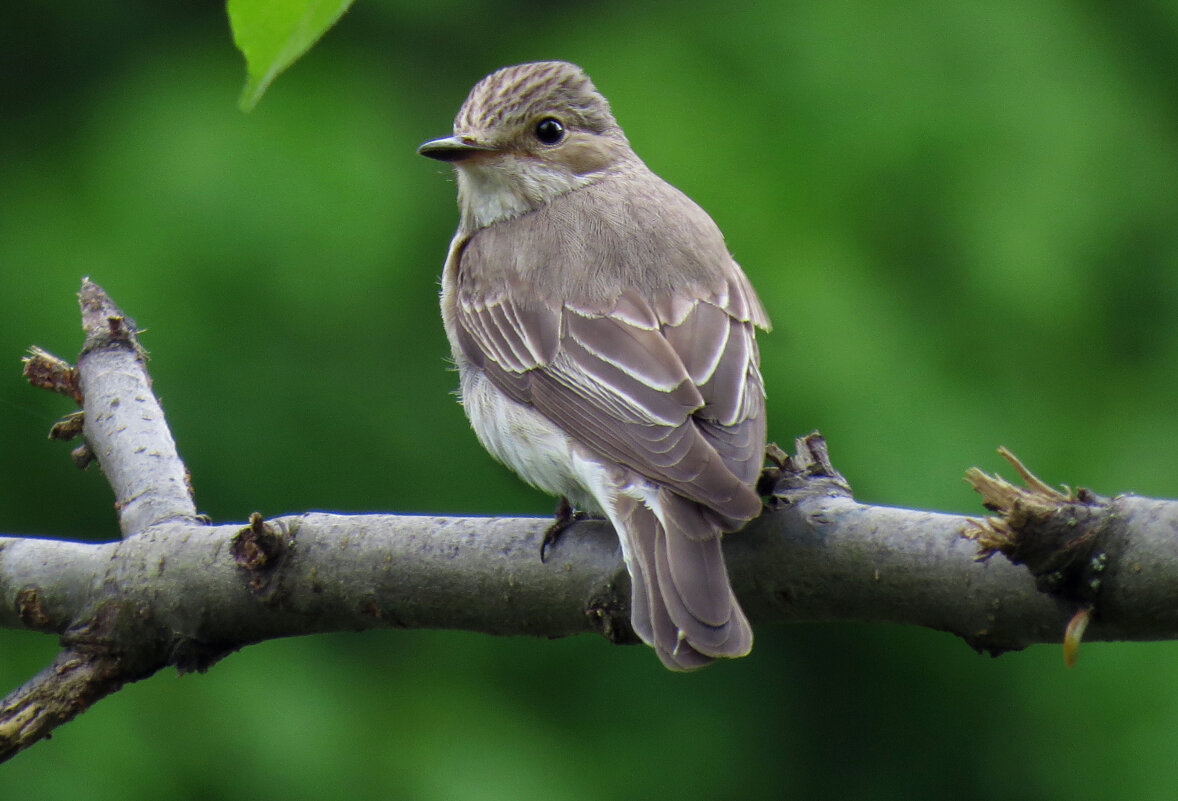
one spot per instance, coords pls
(523, 439)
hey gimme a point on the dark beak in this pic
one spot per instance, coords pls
(452, 148)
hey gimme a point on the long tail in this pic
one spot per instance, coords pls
(681, 602)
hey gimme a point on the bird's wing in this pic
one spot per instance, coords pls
(669, 389)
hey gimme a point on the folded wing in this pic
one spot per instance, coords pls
(669, 388)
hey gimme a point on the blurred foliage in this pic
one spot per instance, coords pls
(962, 218)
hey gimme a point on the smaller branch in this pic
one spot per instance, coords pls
(52, 697)
(125, 427)
(70, 685)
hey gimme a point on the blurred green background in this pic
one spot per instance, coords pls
(963, 219)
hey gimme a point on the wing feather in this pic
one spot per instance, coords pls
(681, 405)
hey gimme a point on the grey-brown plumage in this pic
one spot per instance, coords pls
(604, 339)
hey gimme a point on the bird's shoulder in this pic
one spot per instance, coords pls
(631, 232)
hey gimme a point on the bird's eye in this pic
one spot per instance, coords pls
(549, 131)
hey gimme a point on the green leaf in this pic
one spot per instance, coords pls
(272, 34)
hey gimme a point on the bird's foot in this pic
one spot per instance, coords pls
(566, 515)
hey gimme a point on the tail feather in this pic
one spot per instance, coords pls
(707, 638)
(681, 602)
(674, 651)
(690, 561)
(631, 517)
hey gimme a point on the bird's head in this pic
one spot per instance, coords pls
(526, 135)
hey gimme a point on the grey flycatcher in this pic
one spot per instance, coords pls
(604, 339)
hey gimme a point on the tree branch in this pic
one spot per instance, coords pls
(124, 419)
(176, 591)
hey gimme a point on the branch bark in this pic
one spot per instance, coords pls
(176, 591)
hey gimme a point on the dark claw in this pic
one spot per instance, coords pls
(566, 515)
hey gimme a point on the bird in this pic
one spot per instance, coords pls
(604, 339)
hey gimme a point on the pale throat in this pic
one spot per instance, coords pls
(489, 192)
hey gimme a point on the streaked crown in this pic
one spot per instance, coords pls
(527, 135)
(527, 92)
